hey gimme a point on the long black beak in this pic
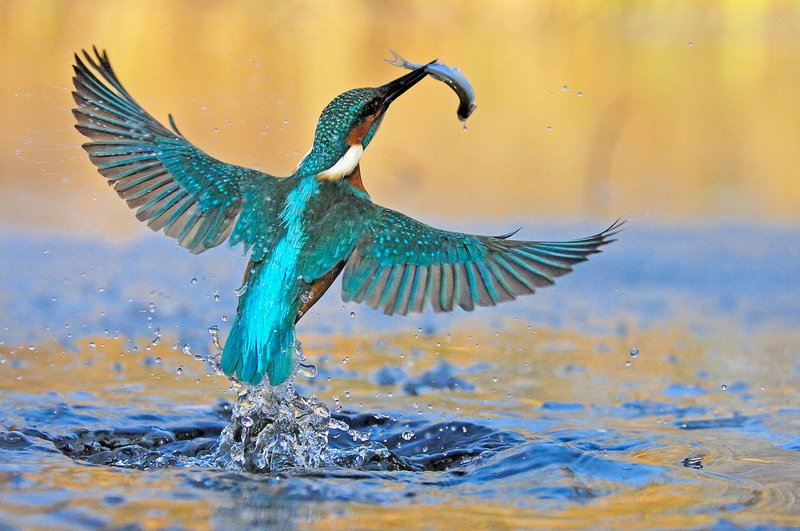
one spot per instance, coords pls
(395, 88)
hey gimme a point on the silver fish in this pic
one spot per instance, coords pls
(447, 74)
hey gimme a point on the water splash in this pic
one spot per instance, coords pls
(273, 429)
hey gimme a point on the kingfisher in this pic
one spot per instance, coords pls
(303, 230)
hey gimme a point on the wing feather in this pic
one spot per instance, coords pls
(401, 265)
(170, 183)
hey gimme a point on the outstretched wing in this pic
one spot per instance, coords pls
(401, 265)
(173, 185)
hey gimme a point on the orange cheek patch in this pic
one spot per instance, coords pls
(357, 134)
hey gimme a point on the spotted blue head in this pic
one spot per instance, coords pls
(348, 124)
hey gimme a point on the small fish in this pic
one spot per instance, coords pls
(447, 74)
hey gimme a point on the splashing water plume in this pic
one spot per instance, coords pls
(273, 428)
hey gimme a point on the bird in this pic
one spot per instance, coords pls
(301, 231)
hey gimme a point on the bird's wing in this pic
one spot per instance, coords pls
(173, 185)
(401, 265)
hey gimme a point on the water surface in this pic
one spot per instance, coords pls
(536, 413)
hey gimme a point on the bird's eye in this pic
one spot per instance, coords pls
(370, 108)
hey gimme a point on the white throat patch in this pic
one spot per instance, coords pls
(344, 166)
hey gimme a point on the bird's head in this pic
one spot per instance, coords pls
(348, 124)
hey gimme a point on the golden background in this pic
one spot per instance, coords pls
(657, 111)
(679, 112)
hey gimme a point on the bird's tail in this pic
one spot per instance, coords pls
(262, 337)
(248, 361)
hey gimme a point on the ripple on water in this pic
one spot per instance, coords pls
(572, 466)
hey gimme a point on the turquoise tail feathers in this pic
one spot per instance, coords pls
(248, 364)
(262, 337)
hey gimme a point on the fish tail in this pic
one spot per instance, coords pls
(398, 59)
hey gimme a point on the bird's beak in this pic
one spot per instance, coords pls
(393, 89)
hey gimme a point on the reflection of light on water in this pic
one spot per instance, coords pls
(565, 445)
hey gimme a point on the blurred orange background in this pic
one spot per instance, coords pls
(660, 111)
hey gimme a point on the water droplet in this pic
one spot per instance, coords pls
(216, 297)
(628, 363)
(158, 360)
(336, 424)
(352, 315)
(549, 129)
(358, 436)
(309, 370)
(304, 297)
(407, 435)
(186, 349)
(179, 371)
(634, 352)
(224, 318)
(565, 88)
(580, 94)
(247, 422)
(194, 280)
(92, 344)
(691, 43)
(464, 126)
(723, 387)
(345, 360)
